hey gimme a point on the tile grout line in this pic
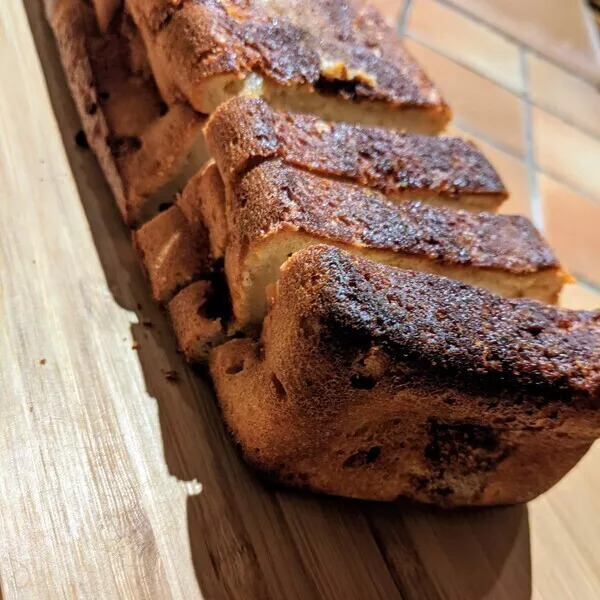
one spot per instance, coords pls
(591, 27)
(464, 126)
(430, 46)
(583, 281)
(404, 14)
(535, 201)
(511, 38)
(415, 37)
(524, 51)
(484, 137)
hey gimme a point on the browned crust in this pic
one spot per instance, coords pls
(138, 146)
(173, 251)
(287, 42)
(401, 442)
(456, 332)
(402, 383)
(274, 197)
(70, 21)
(392, 162)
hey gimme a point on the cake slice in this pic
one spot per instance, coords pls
(335, 58)
(277, 210)
(146, 148)
(438, 170)
(373, 382)
(174, 252)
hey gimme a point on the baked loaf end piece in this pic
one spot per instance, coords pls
(146, 149)
(438, 170)
(372, 382)
(334, 58)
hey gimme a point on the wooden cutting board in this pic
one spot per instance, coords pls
(116, 482)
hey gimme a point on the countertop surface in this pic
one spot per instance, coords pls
(117, 482)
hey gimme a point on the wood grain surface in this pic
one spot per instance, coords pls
(118, 483)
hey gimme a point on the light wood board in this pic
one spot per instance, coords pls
(116, 483)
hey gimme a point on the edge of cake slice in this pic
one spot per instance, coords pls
(400, 383)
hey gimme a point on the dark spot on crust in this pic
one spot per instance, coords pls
(460, 452)
(235, 368)
(373, 454)
(123, 145)
(362, 457)
(535, 330)
(278, 386)
(363, 382)
(163, 109)
(171, 375)
(337, 87)
(81, 139)
(450, 440)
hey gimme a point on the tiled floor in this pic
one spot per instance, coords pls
(522, 79)
(566, 95)
(479, 105)
(559, 29)
(466, 41)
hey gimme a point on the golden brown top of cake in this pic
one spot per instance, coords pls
(340, 47)
(393, 162)
(276, 197)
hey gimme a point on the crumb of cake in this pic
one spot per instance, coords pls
(135, 346)
(42, 361)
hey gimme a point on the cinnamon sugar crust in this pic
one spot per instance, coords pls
(443, 170)
(276, 209)
(331, 49)
(274, 196)
(461, 333)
